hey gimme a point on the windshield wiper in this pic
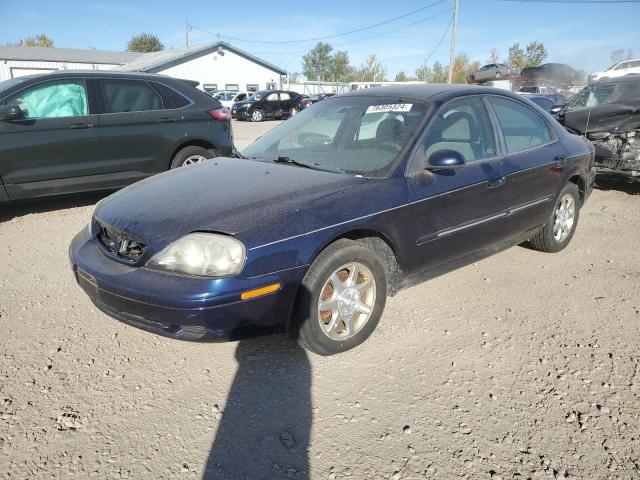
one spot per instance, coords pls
(313, 166)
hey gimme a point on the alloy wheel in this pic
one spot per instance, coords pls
(256, 116)
(193, 159)
(346, 301)
(564, 217)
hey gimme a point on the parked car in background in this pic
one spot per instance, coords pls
(557, 73)
(543, 91)
(267, 104)
(542, 101)
(328, 213)
(493, 71)
(229, 98)
(608, 114)
(616, 70)
(304, 101)
(318, 97)
(72, 131)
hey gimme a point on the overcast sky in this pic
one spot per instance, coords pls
(579, 34)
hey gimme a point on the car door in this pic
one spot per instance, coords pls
(137, 134)
(272, 105)
(533, 164)
(455, 213)
(53, 148)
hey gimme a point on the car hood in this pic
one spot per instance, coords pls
(226, 195)
(243, 103)
(612, 117)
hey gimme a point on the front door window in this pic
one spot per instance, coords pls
(53, 100)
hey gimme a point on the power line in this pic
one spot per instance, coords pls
(237, 39)
(444, 34)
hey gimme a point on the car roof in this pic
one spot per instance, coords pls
(99, 73)
(424, 91)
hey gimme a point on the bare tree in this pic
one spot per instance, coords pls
(494, 56)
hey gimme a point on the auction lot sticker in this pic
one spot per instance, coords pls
(390, 107)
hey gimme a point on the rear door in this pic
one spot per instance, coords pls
(137, 132)
(54, 148)
(533, 166)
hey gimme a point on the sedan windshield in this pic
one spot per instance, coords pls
(604, 93)
(356, 135)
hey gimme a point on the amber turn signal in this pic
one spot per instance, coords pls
(258, 292)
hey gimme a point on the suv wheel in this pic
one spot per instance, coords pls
(191, 155)
(257, 115)
(341, 298)
(561, 225)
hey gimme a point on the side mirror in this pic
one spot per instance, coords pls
(446, 160)
(10, 112)
(555, 109)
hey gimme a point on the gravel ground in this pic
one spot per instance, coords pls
(524, 365)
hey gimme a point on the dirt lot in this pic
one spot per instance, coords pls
(525, 365)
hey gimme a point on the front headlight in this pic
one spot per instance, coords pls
(203, 254)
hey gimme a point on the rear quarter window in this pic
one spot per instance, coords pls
(175, 99)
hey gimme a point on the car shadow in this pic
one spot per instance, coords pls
(266, 420)
(630, 188)
(20, 208)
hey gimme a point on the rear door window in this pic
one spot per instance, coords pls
(53, 100)
(129, 96)
(522, 127)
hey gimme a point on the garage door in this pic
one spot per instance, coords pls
(20, 72)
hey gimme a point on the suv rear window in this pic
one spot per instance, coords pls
(129, 96)
(176, 100)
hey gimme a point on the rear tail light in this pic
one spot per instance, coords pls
(221, 113)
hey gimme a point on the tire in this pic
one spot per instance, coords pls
(257, 115)
(191, 155)
(312, 327)
(498, 75)
(546, 240)
(293, 111)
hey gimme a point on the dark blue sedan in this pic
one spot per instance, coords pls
(332, 211)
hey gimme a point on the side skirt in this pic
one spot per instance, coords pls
(475, 256)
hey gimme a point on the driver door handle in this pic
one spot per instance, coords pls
(496, 182)
(77, 126)
(166, 120)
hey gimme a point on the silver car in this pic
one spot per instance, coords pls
(493, 71)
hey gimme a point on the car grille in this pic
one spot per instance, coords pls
(119, 245)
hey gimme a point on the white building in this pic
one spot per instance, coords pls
(217, 66)
(16, 61)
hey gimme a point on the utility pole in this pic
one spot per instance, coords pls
(453, 40)
(186, 33)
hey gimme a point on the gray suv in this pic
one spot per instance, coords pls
(79, 131)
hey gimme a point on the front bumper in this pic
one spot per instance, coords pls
(186, 308)
(240, 114)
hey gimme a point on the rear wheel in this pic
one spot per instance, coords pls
(293, 111)
(498, 76)
(561, 225)
(341, 298)
(191, 155)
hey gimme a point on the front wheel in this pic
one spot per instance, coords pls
(257, 115)
(498, 76)
(341, 298)
(561, 225)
